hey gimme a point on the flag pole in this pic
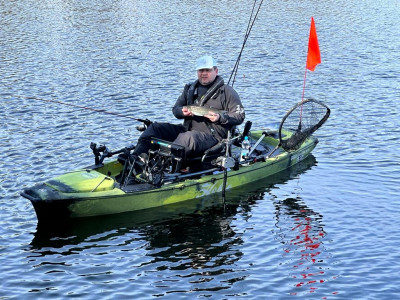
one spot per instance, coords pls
(304, 84)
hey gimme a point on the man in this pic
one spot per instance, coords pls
(198, 133)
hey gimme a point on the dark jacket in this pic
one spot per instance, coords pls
(219, 96)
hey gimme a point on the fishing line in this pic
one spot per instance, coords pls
(246, 36)
(244, 41)
(146, 121)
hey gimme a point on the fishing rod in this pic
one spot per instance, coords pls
(146, 122)
(246, 36)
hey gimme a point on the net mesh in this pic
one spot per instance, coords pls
(303, 119)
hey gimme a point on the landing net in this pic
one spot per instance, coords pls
(303, 120)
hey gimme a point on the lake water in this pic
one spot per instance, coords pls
(326, 229)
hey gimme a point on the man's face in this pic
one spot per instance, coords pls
(207, 76)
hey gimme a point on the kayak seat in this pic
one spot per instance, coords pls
(206, 160)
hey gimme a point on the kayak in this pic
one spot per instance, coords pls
(94, 191)
(77, 230)
(99, 190)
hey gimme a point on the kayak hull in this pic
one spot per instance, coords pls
(94, 192)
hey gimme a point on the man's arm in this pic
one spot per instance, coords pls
(235, 111)
(178, 110)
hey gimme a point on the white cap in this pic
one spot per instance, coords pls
(206, 62)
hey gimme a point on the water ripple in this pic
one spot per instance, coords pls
(329, 232)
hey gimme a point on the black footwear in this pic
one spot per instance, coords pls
(141, 163)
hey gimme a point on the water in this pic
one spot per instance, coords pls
(325, 230)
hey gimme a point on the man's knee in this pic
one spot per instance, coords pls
(194, 143)
(184, 139)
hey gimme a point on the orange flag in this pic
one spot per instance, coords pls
(313, 56)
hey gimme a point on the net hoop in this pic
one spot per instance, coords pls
(302, 120)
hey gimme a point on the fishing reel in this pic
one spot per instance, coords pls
(143, 127)
(226, 162)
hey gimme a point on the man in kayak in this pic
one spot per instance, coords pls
(198, 133)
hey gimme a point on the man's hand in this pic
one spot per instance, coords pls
(186, 112)
(213, 117)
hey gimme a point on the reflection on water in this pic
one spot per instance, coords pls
(301, 230)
